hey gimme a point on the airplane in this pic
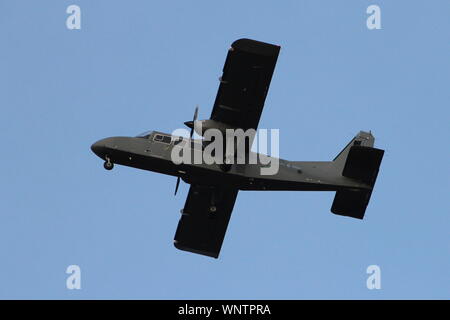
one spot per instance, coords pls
(243, 87)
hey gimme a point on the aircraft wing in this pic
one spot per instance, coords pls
(244, 84)
(204, 219)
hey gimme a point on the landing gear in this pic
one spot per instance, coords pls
(108, 165)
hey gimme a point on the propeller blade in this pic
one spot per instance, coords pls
(196, 112)
(191, 124)
(177, 185)
(192, 132)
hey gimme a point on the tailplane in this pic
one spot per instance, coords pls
(359, 160)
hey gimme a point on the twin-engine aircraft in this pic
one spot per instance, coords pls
(214, 187)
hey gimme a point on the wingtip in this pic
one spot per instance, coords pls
(179, 246)
(256, 47)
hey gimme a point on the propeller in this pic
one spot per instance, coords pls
(190, 124)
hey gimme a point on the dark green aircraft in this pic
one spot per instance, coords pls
(214, 187)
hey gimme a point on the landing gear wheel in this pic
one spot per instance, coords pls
(108, 165)
(212, 209)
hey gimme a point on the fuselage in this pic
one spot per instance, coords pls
(153, 152)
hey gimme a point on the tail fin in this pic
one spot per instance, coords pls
(359, 160)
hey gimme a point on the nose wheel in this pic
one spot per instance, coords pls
(108, 165)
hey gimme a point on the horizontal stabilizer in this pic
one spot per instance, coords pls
(351, 203)
(360, 161)
(362, 164)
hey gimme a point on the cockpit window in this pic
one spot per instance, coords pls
(162, 138)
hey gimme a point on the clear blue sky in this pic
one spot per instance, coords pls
(144, 65)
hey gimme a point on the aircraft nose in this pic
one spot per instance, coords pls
(99, 148)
